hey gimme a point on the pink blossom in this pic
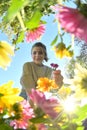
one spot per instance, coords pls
(37, 97)
(19, 124)
(73, 21)
(47, 105)
(26, 114)
(35, 34)
(27, 111)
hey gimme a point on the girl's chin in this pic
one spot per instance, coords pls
(38, 63)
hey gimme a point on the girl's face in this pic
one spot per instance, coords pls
(38, 55)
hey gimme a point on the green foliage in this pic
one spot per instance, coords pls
(14, 8)
(20, 37)
(70, 126)
(81, 113)
(18, 16)
(69, 68)
(34, 21)
(5, 126)
(39, 120)
(54, 40)
(82, 58)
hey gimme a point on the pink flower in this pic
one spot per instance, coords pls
(21, 124)
(47, 105)
(73, 21)
(26, 113)
(37, 97)
(35, 34)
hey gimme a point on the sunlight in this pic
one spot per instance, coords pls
(69, 104)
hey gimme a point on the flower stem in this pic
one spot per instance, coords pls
(21, 21)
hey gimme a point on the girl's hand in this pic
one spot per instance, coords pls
(57, 77)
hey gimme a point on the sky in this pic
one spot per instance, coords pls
(14, 71)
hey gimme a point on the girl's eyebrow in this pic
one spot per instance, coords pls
(34, 52)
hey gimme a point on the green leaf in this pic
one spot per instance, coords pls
(54, 41)
(39, 120)
(80, 128)
(81, 113)
(70, 126)
(54, 128)
(20, 37)
(5, 126)
(69, 47)
(14, 8)
(34, 21)
(32, 127)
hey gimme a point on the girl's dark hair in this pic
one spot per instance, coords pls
(39, 44)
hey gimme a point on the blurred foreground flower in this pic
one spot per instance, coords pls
(46, 105)
(60, 110)
(73, 20)
(35, 34)
(9, 95)
(6, 51)
(61, 51)
(25, 113)
(84, 123)
(79, 82)
(8, 108)
(64, 92)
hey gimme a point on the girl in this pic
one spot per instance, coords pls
(36, 69)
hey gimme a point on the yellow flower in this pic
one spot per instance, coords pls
(9, 95)
(45, 84)
(6, 50)
(80, 81)
(61, 51)
(64, 92)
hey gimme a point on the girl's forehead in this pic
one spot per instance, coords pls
(37, 49)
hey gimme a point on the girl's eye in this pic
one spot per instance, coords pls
(34, 53)
(39, 53)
